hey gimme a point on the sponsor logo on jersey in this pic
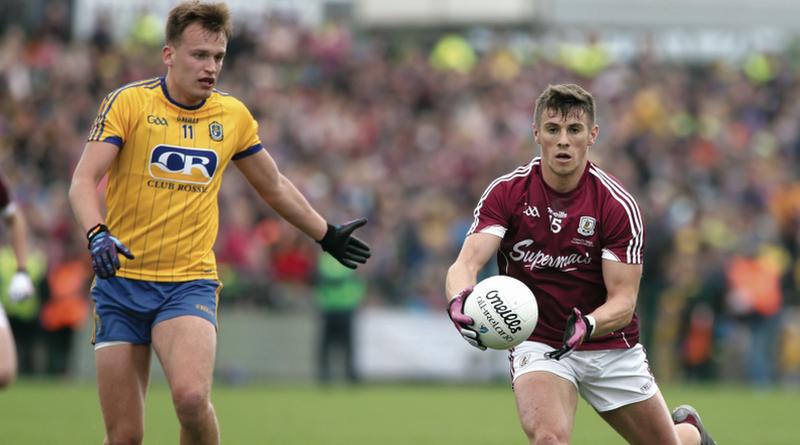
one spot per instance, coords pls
(188, 120)
(560, 214)
(215, 130)
(183, 164)
(586, 225)
(156, 120)
(536, 259)
(556, 219)
(582, 242)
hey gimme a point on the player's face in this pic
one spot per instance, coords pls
(565, 143)
(194, 64)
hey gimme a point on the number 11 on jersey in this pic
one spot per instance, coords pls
(188, 131)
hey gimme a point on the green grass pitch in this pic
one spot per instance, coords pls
(34, 412)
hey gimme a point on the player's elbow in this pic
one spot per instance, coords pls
(626, 316)
(274, 190)
(76, 190)
(7, 376)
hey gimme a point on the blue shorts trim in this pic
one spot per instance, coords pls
(126, 310)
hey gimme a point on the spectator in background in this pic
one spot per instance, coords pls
(339, 292)
(755, 297)
(20, 286)
(65, 307)
(701, 313)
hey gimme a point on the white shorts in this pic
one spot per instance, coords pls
(3, 318)
(607, 379)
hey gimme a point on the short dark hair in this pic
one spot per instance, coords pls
(564, 98)
(213, 17)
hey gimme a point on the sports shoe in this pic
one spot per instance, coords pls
(687, 414)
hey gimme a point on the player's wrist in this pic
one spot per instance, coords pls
(96, 230)
(591, 325)
(329, 237)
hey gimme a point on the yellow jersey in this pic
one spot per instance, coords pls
(161, 197)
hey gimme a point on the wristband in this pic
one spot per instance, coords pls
(98, 228)
(592, 323)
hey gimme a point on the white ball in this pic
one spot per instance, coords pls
(504, 310)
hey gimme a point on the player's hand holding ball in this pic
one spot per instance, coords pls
(500, 313)
(579, 329)
(462, 322)
(105, 248)
(21, 287)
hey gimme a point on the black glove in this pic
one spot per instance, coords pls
(105, 249)
(342, 245)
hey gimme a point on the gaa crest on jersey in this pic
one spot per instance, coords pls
(586, 225)
(183, 164)
(215, 131)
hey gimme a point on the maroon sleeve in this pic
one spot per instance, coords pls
(492, 209)
(5, 199)
(622, 227)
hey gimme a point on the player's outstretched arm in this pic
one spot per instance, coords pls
(282, 195)
(478, 248)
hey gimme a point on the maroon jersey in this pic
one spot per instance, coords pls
(555, 243)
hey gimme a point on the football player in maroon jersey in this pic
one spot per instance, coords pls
(575, 236)
(19, 288)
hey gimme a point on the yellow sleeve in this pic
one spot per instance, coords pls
(249, 143)
(113, 119)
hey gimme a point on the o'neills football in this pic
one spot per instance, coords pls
(504, 310)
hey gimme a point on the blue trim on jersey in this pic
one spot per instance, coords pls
(96, 134)
(116, 140)
(178, 104)
(247, 152)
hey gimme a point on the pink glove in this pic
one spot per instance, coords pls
(579, 329)
(463, 323)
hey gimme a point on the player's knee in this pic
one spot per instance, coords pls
(546, 436)
(125, 436)
(7, 377)
(190, 403)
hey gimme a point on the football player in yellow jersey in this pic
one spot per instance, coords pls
(164, 144)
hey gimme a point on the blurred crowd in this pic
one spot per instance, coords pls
(410, 132)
